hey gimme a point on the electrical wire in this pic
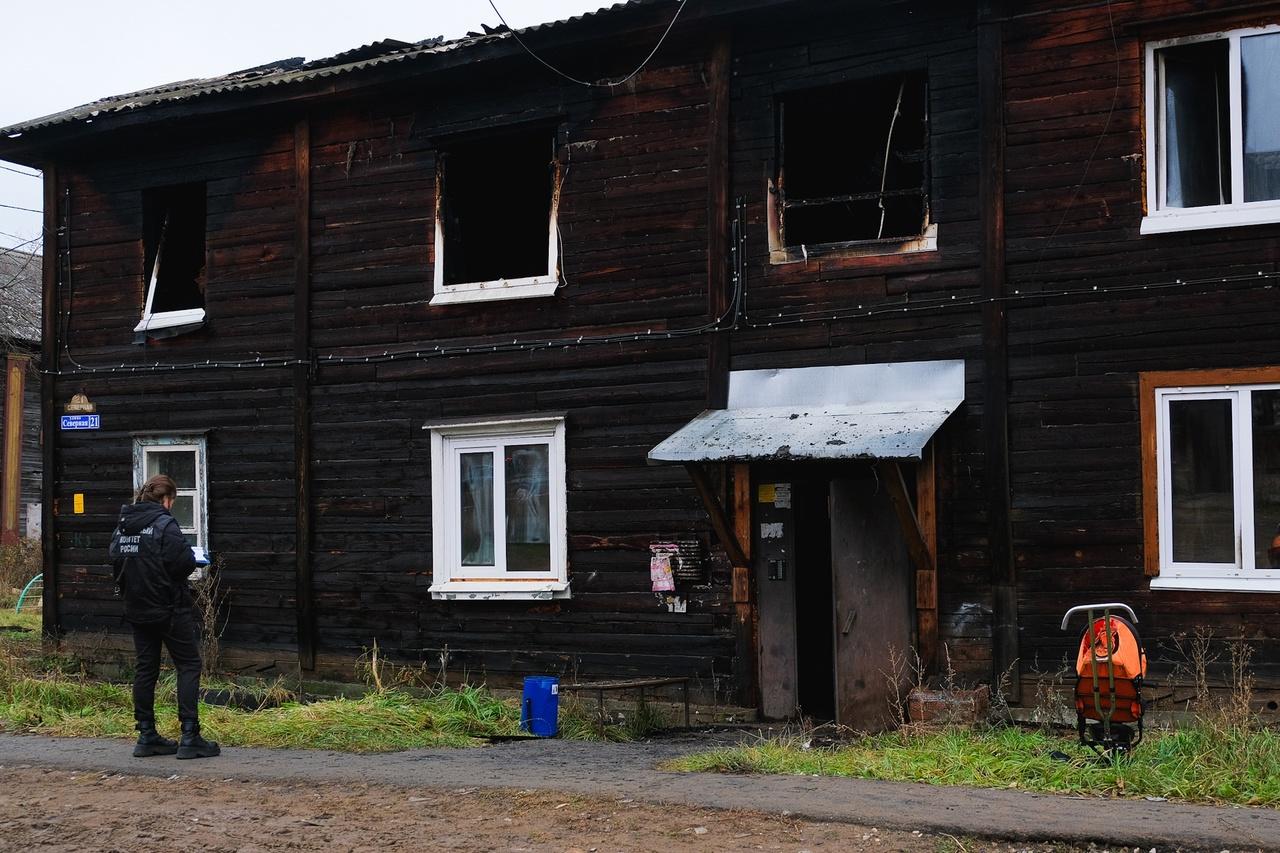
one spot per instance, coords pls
(20, 172)
(18, 248)
(792, 318)
(607, 84)
(732, 318)
(16, 207)
(718, 325)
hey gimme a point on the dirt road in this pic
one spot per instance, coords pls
(56, 810)
(626, 778)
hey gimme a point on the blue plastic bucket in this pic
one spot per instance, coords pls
(540, 706)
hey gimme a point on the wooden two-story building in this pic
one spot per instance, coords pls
(824, 329)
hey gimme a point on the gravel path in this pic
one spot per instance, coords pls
(628, 771)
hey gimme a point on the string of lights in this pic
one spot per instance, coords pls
(728, 321)
(733, 318)
(792, 317)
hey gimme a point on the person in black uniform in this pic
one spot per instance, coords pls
(151, 560)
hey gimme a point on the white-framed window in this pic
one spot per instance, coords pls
(857, 189)
(181, 457)
(174, 254)
(1213, 130)
(497, 200)
(498, 515)
(1217, 457)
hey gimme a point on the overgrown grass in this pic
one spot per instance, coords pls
(55, 696)
(19, 562)
(1201, 763)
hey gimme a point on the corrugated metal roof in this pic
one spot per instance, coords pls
(295, 70)
(19, 297)
(869, 411)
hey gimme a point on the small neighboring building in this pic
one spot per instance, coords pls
(20, 469)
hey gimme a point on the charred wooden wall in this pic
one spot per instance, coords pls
(244, 412)
(819, 48)
(1075, 155)
(633, 220)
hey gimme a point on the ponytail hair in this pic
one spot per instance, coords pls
(156, 489)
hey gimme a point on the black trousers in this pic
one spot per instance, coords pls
(180, 636)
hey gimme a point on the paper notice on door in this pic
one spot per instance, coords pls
(765, 494)
(782, 495)
(771, 530)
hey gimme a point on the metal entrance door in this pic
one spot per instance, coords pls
(871, 581)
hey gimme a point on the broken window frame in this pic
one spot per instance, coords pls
(146, 445)
(541, 284)
(176, 321)
(1159, 217)
(450, 578)
(778, 204)
(1242, 574)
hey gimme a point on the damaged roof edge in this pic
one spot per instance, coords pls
(49, 128)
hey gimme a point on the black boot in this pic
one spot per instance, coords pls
(150, 742)
(194, 746)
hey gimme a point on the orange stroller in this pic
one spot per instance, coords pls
(1110, 666)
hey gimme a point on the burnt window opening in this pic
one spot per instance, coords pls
(174, 244)
(496, 209)
(853, 162)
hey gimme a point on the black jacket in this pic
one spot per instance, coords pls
(151, 560)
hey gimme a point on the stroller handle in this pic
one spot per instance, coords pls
(1115, 605)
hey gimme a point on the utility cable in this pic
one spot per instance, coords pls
(1267, 280)
(20, 172)
(607, 84)
(16, 207)
(18, 247)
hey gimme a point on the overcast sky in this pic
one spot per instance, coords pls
(55, 56)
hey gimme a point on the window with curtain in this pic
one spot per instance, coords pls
(498, 509)
(1213, 131)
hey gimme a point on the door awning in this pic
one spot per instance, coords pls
(861, 411)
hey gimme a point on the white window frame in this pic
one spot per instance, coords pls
(1242, 575)
(165, 319)
(1161, 219)
(543, 284)
(450, 579)
(143, 446)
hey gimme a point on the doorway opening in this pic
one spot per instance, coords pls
(815, 634)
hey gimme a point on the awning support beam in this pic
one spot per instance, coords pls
(890, 473)
(719, 519)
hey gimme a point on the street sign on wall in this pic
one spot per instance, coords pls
(81, 421)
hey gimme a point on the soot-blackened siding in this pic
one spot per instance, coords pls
(1075, 157)
(807, 51)
(246, 413)
(633, 220)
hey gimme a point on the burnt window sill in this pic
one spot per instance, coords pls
(926, 242)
